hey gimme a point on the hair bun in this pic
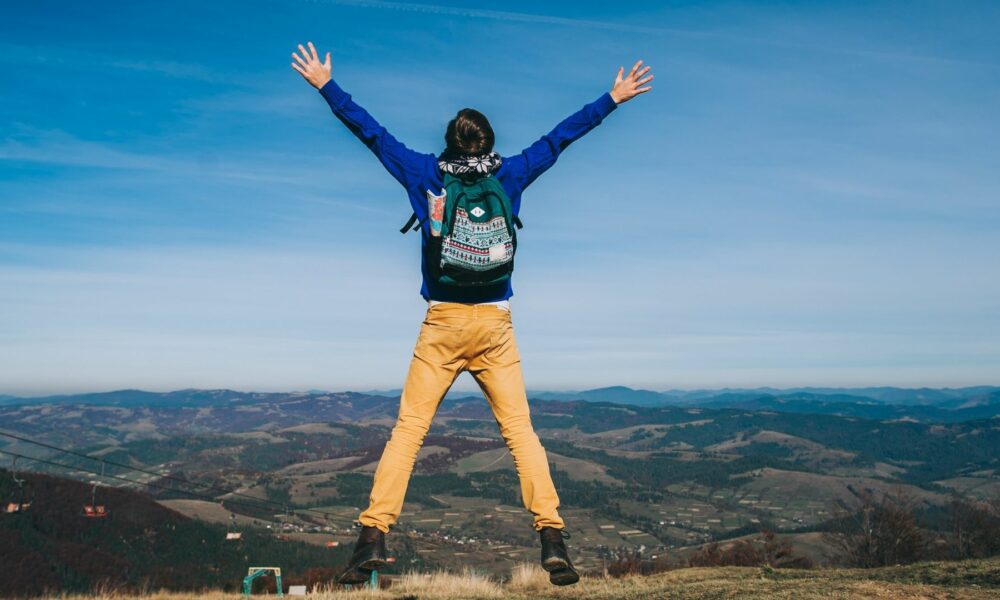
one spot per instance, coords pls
(469, 134)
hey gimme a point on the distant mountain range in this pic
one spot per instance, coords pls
(943, 397)
(880, 403)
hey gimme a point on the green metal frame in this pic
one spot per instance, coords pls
(256, 572)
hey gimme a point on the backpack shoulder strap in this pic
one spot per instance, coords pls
(452, 181)
(409, 222)
(412, 219)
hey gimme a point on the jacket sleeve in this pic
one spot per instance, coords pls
(401, 162)
(538, 157)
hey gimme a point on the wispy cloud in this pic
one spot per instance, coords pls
(64, 57)
(608, 25)
(56, 147)
(501, 15)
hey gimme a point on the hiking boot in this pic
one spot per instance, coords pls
(369, 555)
(555, 559)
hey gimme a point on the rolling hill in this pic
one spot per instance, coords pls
(664, 478)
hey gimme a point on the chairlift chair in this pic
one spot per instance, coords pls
(95, 510)
(283, 525)
(232, 534)
(20, 505)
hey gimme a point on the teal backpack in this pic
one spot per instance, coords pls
(476, 242)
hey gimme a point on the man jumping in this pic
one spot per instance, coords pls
(466, 327)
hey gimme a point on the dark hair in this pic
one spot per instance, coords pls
(468, 134)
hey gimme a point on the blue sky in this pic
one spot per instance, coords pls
(810, 194)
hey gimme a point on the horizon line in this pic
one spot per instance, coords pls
(377, 391)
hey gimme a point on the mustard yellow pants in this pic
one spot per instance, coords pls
(456, 337)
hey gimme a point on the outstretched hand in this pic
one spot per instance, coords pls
(315, 72)
(627, 88)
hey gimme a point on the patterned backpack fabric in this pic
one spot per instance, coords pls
(472, 237)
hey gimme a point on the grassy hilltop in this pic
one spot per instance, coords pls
(952, 580)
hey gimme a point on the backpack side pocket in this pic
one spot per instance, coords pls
(435, 211)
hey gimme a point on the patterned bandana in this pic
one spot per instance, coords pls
(465, 166)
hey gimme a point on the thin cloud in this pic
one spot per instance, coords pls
(56, 147)
(500, 15)
(82, 60)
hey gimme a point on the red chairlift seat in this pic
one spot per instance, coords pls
(95, 511)
(16, 507)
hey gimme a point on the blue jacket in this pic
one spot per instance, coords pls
(419, 172)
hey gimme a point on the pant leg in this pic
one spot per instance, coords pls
(498, 373)
(435, 365)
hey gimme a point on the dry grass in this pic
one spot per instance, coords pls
(973, 580)
(436, 584)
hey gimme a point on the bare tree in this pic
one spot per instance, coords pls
(780, 554)
(975, 527)
(878, 530)
(764, 550)
(626, 562)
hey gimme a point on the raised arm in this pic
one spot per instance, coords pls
(538, 157)
(401, 162)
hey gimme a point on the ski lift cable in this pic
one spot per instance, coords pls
(119, 477)
(138, 470)
(132, 481)
(223, 491)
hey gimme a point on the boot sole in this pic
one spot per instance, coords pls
(554, 563)
(354, 576)
(563, 577)
(362, 572)
(373, 564)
